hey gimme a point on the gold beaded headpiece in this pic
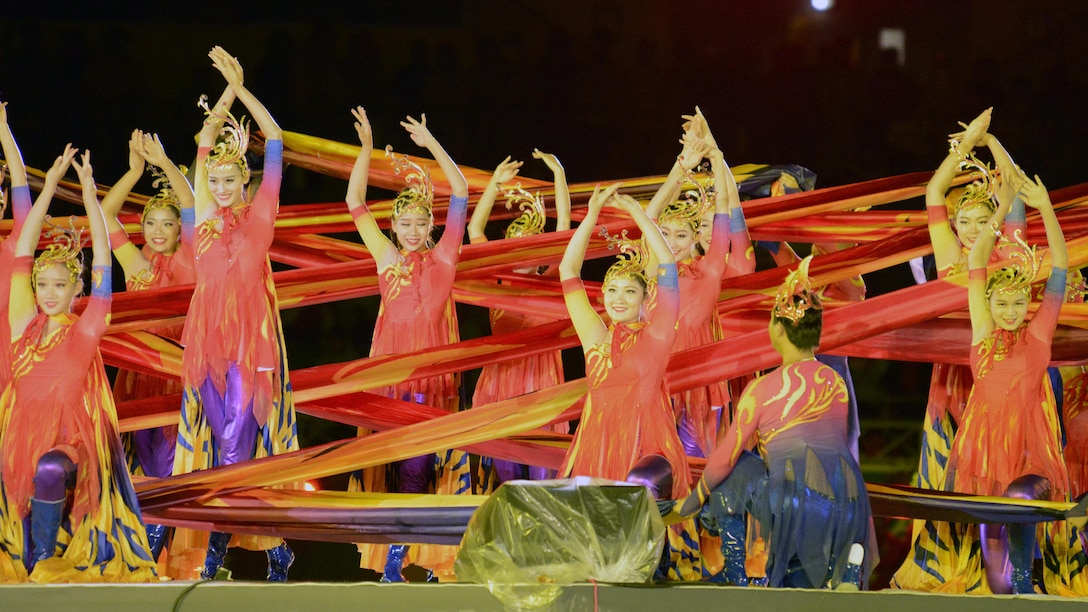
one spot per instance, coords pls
(979, 192)
(67, 249)
(418, 193)
(165, 198)
(693, 207)
(1020, 273)
(632, 259)
(230, 148)
(796, 295)
(531, 221)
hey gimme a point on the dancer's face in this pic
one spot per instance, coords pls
(1009, 310)
(54, 290)
(412, 230)
(227, 186)
(970, 223)
(623, 299)
(680, 238)
(161, 230)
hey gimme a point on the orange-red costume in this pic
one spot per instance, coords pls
(627, 414)
(698, 410)
(58, 399)
(151, 451)
(417, 312)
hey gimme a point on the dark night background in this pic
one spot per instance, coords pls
(600, 83)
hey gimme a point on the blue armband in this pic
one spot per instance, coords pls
(102, 281)
(21, 201)
(188, 217)
(1017, 212)
(667, 276)
(1056, 282)
(273, 154)
(458, 203)
(736, 221)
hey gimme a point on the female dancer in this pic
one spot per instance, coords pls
(235, 370)
(1008, 443)
(807, 490)
(60, 456)
(518, 377)
(627, 430)
(417, 310)
(970, 209)
(165, 260)
(1009, 440)
(698, 411)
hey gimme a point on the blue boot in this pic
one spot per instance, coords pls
(45, 520)
(156, 537)
(394, 561)
(734, 537)
(217, 553)
(280, 559)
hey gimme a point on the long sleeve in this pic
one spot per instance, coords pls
(448, 248)
(741, 256)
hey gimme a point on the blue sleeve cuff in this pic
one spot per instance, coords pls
(21, 201)
(1056, 282)
(667, 276)
(188, 216)
(102, 281)
(273, 154)
(1017, 212)
(458, 203)
(736, 221)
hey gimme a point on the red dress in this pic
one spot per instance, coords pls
(163, 271)
(627, 414)
(700, 287)
(233, 317)
(518, 376)
(1010, 426)
(59, 399)
(417, 311)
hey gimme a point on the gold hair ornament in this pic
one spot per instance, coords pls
(796, 295)
(696, 203)
(165, 199)
(1020, 273)
(418, 193)
(232, 143)
(632, 259)
(531, 220)
(979, 192)
(67, 249)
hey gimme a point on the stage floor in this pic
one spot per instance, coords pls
(245, 596)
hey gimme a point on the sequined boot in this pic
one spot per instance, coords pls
(394, 561)
(45, 520)
(734, 535)
(217, 553)
(280, 559)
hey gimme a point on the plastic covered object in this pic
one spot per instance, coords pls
(532, 537)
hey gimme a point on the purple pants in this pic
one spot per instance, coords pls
(232, 423)
(155, 450)
(55, 475)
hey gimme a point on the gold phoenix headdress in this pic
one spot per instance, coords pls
(531, 220)
(695, 204)
(418, 193)
(979, 192)
(1020, 273)
(632, 258)
(230, 148)
(67, 249)
(796, 295)
(165, 198)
